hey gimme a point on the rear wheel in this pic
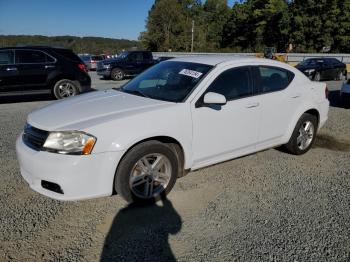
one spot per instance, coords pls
(340, 76)
(65, 88)
(147, 173)
(117, 74)
(303, 135)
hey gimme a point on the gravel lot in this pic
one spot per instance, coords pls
(268, 206)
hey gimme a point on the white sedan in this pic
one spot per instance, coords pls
(180, 115)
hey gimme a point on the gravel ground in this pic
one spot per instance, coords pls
(268, 206)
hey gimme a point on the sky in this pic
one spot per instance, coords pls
(104, 18)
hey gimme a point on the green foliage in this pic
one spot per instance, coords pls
(251, 25)
(92, 45)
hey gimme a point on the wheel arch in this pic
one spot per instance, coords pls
(172, 142)
(309, 110)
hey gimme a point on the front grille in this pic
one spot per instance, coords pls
(34, 137)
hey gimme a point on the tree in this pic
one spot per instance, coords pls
(342, 38)
(165, 26)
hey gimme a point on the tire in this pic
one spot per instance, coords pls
(317, 76)
(139, 184)
(65, 88)
(300, 142)
(117, 74)
(340, 76)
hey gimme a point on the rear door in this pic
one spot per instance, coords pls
(8, 71)
(34, 66)
(278, 101)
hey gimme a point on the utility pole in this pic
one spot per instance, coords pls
(192, 31)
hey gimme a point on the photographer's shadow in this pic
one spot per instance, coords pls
(141, 233)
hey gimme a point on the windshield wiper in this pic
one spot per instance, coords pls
(134, 92)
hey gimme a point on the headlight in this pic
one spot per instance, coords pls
(70, 142)
(107, 66)
(309, 71)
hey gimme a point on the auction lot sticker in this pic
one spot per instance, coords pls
(191, 73)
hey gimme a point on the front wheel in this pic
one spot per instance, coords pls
(147, 173)
(303, 135)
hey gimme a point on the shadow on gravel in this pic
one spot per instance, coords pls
(331, 143)
(336, 101)
(25, 98)
(141, 233)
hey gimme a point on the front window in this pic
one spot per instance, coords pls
(169, 81)
(123, 55)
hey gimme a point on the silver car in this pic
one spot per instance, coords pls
(91, 60)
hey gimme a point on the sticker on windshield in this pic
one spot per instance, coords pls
(191, 73)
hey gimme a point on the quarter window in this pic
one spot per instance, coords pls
(274, 79)
(233, 83)
(6, 57)
(30, 57)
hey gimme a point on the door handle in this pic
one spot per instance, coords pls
(49, 66)
(11, 69)
(252, 105)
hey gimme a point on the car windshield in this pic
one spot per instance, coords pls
(123, 55)
(168, 81)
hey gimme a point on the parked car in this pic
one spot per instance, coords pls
(42, 70)
(92, 60)
(345, 92)
(179, 115)
(126, 64)
(323, 68)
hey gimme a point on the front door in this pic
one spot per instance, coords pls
(223, 132)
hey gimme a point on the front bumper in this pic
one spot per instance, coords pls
(79, 177)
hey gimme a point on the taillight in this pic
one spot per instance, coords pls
(326, 92)
(83, 67)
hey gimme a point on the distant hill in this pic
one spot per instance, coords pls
(92, 45)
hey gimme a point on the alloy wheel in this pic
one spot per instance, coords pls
(306, 135)
(150, 176)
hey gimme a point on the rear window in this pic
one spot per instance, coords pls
(274, 79)
(68, 54)
(32, 57)
(6, 57)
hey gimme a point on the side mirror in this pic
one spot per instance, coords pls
(212, 98)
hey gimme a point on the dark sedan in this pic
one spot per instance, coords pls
(323, 68)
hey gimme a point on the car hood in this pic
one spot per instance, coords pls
(87, 108)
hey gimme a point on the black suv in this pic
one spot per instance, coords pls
(42, 70)
(128, 63)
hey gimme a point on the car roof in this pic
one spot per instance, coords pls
(218, 59)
